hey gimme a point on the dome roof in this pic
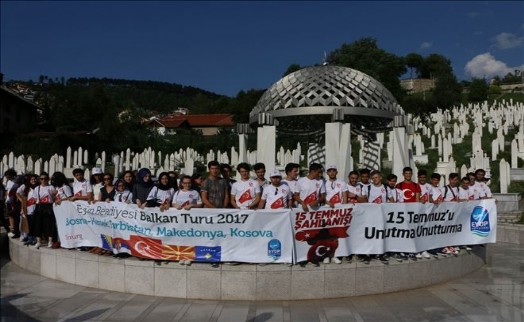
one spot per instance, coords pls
(325, 90)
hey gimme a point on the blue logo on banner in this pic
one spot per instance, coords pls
(274, 249)
(479, 221)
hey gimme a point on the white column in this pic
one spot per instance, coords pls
(266, 146)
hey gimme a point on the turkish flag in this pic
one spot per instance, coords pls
(424, 198)
(322, 249)
(279, 203)
(335, 199)
(245, 196)
(311, 198)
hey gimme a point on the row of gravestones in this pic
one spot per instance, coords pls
(182, 160)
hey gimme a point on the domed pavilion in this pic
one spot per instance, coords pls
(330, 102)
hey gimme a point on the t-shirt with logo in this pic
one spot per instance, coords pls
(184, 198)
(474, 190)
(44, 194)
(291, 183)
(276, 197)
(64, 192)
(82, 188)
(356, 190)
(162, 197)
(424, 192)
(466, 194)
(334, 191)
(393, 193)
(30, 199)
(245, 192)
(449, 193)
(409, 190)
(436, 194)
(377, 194)
(483, 189)
(123, 196)
(310, 189)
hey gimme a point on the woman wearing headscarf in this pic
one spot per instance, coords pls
(161, 194)
(142, 187)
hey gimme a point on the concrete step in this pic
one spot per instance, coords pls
(511, 217)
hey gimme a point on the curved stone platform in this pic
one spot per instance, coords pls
(242, 282)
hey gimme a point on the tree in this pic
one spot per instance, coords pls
(291, 69)
(447, 91)
(365, 56)
(478, 90)
(414, 61)
(436, 65)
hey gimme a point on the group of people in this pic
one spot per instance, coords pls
(27, 200)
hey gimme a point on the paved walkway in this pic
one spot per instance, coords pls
(493, 293)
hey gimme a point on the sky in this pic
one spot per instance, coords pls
(229, 46)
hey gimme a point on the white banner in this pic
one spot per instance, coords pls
(265, 236)
(392, 227)
(209, 235)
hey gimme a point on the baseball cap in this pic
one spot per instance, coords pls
(331, 166)
(275, 173)
(96, 171)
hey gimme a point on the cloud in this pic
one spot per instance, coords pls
(426, 45)
(485, 65)
(507, 40)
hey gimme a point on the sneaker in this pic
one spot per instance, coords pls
(398, 257)
(50, 244)
(326, 260)
(425, 254)
(467, 248)
(337, 260)
(453, 251)
(215, 265)
(10, 234)
(187, 262)
(366, 259)
(418, 256)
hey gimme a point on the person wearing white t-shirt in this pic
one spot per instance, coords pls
(185, 197)
(45, 221)
(355, 189)
(336, 189)
(245, 193)
(310, 191)
(465, 193)
(435, 192)
(276, 195)
(292, 170)
(425, 187)
(450, 191)
(377, 191)
(480, 184)
(122, 193)
(393, 194)
(82, 189)
(365, 185)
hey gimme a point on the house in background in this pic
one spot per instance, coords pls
(208, 124)
(17, 114)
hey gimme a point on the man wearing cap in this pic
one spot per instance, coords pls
(276, 195)
(336, 189)
(310, 191)
(245, 193)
